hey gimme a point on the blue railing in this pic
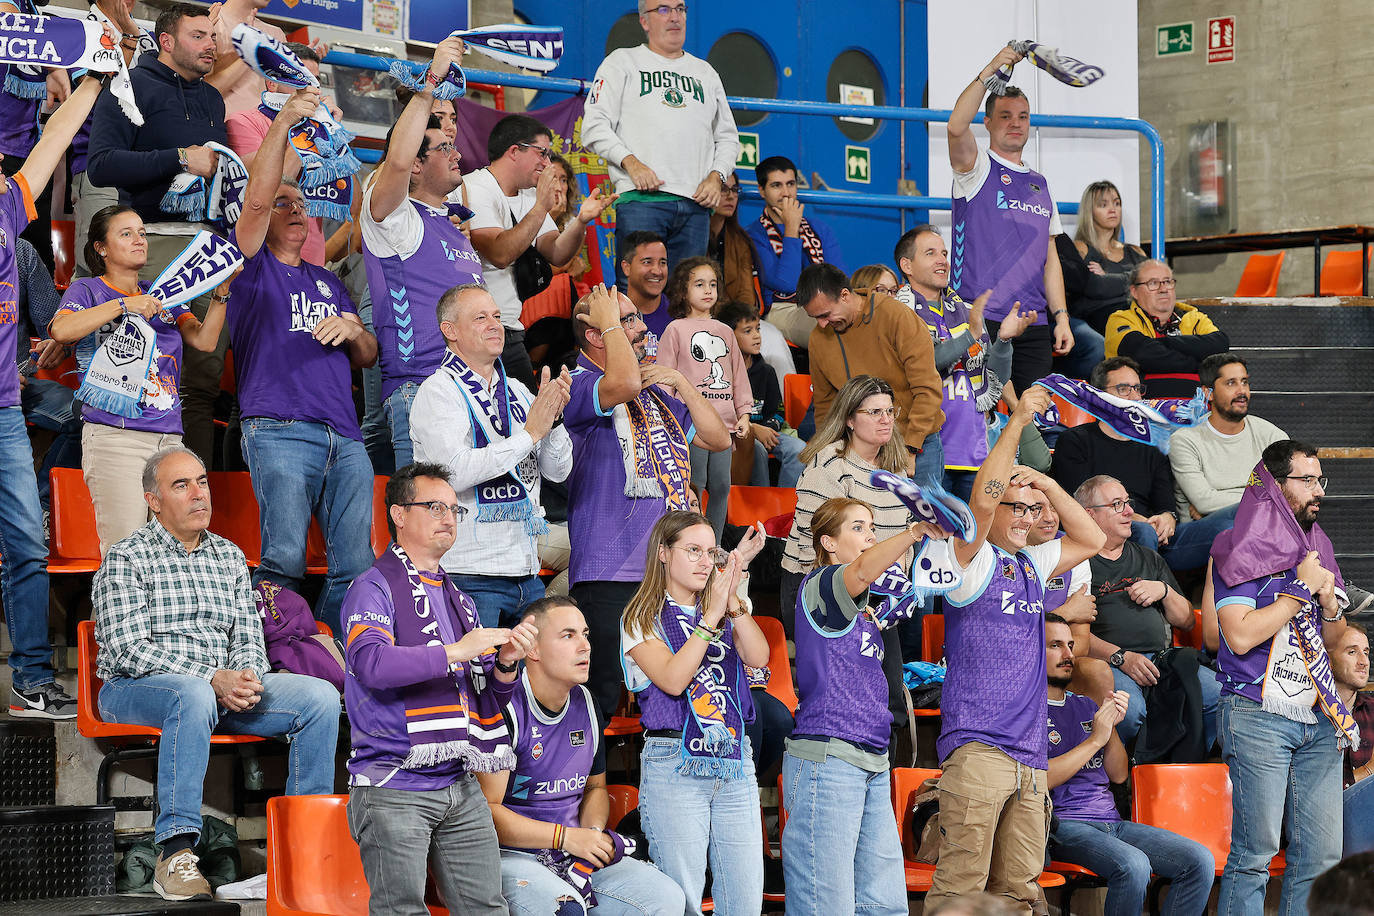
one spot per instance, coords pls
(835, 110)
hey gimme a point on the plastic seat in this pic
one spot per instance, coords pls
(774, 506)
(381, 537)
(796, 398)
(74, 546)
(65, 373)
(1261, 276)
(64, 252)
(624, 799)
(234, 512)
(933, 638)
(1191, 637)
(780, 683)
(1343, 274)
(554, 302)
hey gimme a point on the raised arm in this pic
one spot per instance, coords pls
(620, 380)
(265, 174)
(57, 135)
(963, 148)
(712, 433)
(994, 476)
(874, 561)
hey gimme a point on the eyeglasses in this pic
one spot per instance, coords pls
(666, 10)
(545, 152)
(718, 556)
(443, 148)
(293, 206)
(730, 190)
(1311, 481)
(1126, 391)
(878, 413)
(628, 321)
(1116, 505)
(885, 290)
(1159, 283)
(1020, 509)
(438, 509)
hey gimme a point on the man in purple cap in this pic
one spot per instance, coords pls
(1280, 601)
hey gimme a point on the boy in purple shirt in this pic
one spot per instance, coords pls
(551, 811)
(297, 339)
(1085, 754)
(994, 801)
(423, 688)
(623, 424)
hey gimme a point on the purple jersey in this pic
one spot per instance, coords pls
(554, 755)
(608, 529)
(995, 690)
(659, 710)
(964, 435)
(16, 211)
(161, 398)
(1086, 795)
(18, 121)
(282, 371)
(1243, 674)
(405, 290)
(1001, 236)
(840, 679)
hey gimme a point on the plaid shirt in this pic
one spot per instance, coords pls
(161, 610)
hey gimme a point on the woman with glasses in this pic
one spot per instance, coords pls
(118, 436)
(874, 278)
(686, 637)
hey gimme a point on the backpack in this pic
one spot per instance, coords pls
(293, 641)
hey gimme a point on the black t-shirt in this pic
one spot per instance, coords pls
(1086, 451)
(1119, 619)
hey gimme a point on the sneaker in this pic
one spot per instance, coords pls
(178, 878)
(1361, 601)
(48, 701)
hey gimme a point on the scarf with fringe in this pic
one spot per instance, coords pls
(1067, 70)
(713, 733)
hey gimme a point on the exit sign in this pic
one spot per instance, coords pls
(1174, 39)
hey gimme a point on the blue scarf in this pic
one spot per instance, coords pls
(326, 181)
(533, 47)
(713, 734)
(414, 76)
(1131, 419)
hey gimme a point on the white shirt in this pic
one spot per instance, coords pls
(441, 431)
(494, 210)
(978, 573)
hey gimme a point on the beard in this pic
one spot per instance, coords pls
(1060, 683)
(1307, 514)
(1233, 413)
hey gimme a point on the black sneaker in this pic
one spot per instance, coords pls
(48, 701)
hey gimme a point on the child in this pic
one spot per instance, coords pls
(767, 433)
(705, 352)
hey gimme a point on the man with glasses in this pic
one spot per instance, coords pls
(511, 199)
(993, 746)
(424, 687)
(1167, 338)
(659, 118)
(412, 252)
(1138, 600)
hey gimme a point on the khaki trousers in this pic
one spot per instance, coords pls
(112, 461)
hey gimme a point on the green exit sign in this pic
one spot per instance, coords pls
(1174, 39)
(748, 150)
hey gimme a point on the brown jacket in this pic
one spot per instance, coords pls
(887, 340)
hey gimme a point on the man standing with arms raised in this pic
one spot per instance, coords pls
(1004, 225)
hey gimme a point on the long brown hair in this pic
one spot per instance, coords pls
(834, 426)
(826, 522)
(647, 602)
(681, 281)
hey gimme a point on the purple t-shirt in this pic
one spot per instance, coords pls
(16, 211)
(18, 121)
(1086, 795)
(995, 690)
(658, 319)
(554, 755)
(1243, 674)
(608, 529)
(284, 373)
(162, 406)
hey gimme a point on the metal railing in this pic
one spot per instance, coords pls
(836, 110)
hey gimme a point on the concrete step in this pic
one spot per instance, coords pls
(1282, 368)
(1320, 323)
(1349, 476)
(1345, 519)
(1339, 418)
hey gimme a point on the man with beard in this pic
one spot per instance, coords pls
(1280, 601)
(630, 440)
(1350, 669)
(1070, 596)
(1085, 753)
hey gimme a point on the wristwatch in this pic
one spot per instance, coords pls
(1117, 658)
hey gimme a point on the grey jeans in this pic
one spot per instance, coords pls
(393, 826)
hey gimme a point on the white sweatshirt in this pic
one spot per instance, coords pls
(670, 113)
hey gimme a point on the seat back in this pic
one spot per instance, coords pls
(1191, 637)
(1343, 273)
(1191, 799)
(780, 683)
(624, 799)
(555, 301)
(906, 782)
(313, 865)
(234, 512)
(64, 252)
(796, 398)
(1261, 275)
(747, 505)
(72, 516)
(933, 638)
(88, 683)
(381, 537)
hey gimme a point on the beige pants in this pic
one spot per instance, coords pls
(555, 550)
(87, 201)
(112, 461)
(994, 824)
(794, 323)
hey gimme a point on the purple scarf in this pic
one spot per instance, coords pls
(811, 244)
(1067, 70)
(713, 734)
(1131, 419)
(458, 719)
(578, 872)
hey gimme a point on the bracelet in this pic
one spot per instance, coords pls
(614, 327)
(431, 78)
(505, 669)
(705, 632)
(737, 613)
(123, 309)
(1340, 615)
(558, 836)
(1054, 314)
(223, 300)
(133, 35)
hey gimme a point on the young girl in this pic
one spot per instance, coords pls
(841, 852)
(705, 352)
(687, 637)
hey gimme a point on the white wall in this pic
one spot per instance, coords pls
(964, 36)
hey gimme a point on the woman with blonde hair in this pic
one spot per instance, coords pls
(1108, 259)
(874, 278)
(686, 637)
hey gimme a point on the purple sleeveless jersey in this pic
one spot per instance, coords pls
(553, 755)
(964, 434)
(1086, 795)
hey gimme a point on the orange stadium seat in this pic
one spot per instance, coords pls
(773, 506)
(796, 397)
(1261, 276)
(624, 799)
(74, 546)
(1342, 274)
(234, 512)
(933, 638)
(780, 683)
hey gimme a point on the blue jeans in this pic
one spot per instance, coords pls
(788, 452)
(1273, 759)
(300, 469)
(499, 599)
(23, 556)
(51, 406)
(960, 483)
(1144, 534)
(1358, 802)
(304, 710)
(1191, 544)
(841, 852)
(402, 835)
(930, 464)
(688, 817)
(1089, 349)
(1135, 712)
(627, 888)
(682, 223)
(376, 434)
(1125, 853)
(396, 410)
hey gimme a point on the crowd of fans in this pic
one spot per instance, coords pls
(476, 694)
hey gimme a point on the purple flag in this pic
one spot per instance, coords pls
(1130, 418)
(1267, 538)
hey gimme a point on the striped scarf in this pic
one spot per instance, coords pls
(811, 244)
